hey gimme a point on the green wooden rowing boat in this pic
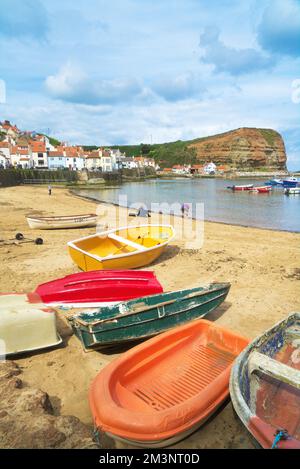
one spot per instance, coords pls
(147, 316)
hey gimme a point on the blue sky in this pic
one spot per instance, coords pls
(132, 71)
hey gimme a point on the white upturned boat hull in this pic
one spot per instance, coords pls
(52, 223)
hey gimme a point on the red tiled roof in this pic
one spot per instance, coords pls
(60, 148)
(4, 145)
(38, 147)
(56, 153)
(7, 126)
(223, 167)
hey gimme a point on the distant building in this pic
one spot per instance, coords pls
(143, 162)
(210, 168)
(20, 157)
(129, 163)
(10, 130)
(46, 141)
(179, 169)
(4, 161)
(75, 159)
(56, 160)
(197, 169)
(5, 149)
(223, 168)
(108, 162)
(93, 160)
(39, 155)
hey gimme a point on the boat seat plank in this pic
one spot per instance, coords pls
(274, 369)
(122, 240)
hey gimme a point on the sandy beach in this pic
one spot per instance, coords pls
(262, 266)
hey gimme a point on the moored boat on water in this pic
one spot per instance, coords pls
(164, 389)
(292, 191)
(274, 182)
(121, 248)
(145, 317)
(247, 187)
(290, 182)
(265, 386)
(262, 189)
(90, 288)
(61, 222)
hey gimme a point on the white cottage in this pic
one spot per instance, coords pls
(210, 168)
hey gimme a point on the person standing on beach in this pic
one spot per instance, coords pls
(49, 190)
(185, 208)
(182, 210)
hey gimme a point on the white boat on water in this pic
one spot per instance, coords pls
(57, 222)
(291, 179)
(292, 191)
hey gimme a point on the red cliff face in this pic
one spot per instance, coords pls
(245, 148)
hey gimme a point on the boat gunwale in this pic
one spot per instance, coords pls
(71, 244)
(61, 217)
(196, 294)
(97, 344)
(42, 347)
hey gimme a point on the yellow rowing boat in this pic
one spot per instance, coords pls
(122, 248)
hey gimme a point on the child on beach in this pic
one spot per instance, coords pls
(49, 190)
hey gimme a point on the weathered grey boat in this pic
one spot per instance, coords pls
(265, 386)
(145, 317)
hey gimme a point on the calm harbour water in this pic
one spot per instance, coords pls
(274, 211)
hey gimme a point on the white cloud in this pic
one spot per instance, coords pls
(73, 85)
(228, 59)
(178, 87)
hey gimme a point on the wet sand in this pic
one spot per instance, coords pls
(260, 264)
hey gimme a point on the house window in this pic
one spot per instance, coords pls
(60, 158)
(41, 162)
(40, 155)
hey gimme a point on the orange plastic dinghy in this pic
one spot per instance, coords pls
(162, 390)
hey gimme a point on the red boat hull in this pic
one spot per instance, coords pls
(99, 286)
(263, 190)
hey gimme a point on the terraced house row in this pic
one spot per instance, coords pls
(33, 150)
